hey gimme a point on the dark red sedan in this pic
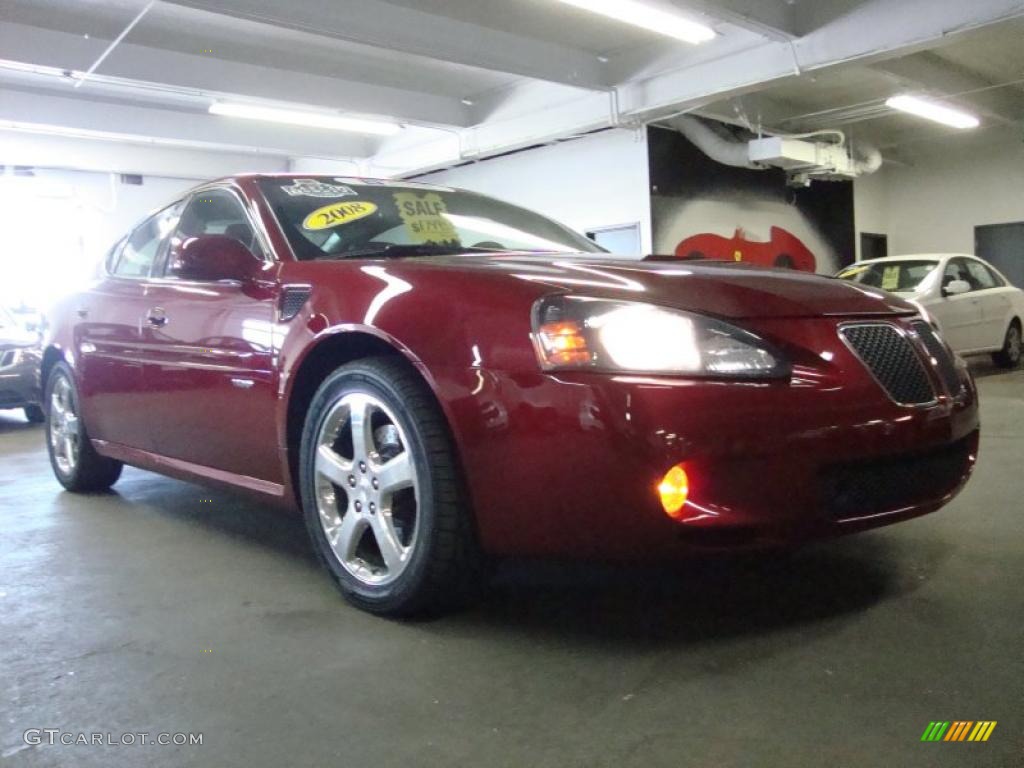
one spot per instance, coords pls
(434, 376)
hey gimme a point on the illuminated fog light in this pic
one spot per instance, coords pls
(673, 490)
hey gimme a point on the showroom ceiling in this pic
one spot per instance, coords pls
(472, 78)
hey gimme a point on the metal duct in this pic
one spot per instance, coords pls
(866, 159)
(734, 153)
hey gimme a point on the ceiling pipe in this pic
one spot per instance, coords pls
(734, 153)
(866, 158)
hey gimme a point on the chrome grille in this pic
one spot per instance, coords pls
(890, 356)
(940, 356)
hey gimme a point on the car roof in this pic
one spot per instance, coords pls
(354, 177)
(919, 256)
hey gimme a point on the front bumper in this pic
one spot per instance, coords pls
(568, 464)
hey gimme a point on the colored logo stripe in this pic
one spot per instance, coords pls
(982, 731)
(958, 730)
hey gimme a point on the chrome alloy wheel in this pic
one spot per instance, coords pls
(63, 426)
(367, 492)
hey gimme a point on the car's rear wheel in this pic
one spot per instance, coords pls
(34, 414)
(1009, 356)
(382, 494)
(75, 463)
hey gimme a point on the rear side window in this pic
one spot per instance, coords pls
(981, 277)
(143, 245)
(218, 212)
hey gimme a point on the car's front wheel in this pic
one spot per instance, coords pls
(382, 493)
(1009, 356)
(75, 462)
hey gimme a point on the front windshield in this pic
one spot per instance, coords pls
(895, 276)
(335, 218)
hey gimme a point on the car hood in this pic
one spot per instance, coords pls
(725, 289)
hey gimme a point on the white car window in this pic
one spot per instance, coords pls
(956, 269)
(981, 277)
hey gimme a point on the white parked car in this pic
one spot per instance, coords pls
(976, 308)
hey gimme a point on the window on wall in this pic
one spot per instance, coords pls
(621, 241)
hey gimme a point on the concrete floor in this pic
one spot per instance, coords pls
(164, 607)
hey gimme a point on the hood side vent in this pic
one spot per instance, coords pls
(293, 299)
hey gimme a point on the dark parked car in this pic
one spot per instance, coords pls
(433, 376)
(20, 357)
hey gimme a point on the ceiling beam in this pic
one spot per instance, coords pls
(73, 111)
(774, 19)
(873, 31)
(201, 74)
(931, 74)
(409, 31)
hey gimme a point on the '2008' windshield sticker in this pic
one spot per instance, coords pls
(317, 188)
(336, 214)
(425, 217)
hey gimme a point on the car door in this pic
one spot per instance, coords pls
(996, 303)
(959, 315)
(210, 378)
(108, 335)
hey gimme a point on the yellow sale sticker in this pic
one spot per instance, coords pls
(891, 278)
(336, 214)
(425, 217)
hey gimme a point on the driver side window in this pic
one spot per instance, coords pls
(141, 248)
(214, 212)
(955, 270)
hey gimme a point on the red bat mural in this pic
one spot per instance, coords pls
(783, 249)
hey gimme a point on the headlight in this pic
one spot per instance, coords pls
(10, 357)
(624, 336)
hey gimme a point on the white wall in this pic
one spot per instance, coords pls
(933, 203)
(593, 182)
(56, 224)
(871, 206)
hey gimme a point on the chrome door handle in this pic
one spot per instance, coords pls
(157, 318)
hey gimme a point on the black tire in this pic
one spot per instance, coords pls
(1009, 356)
(34, 414)
(90, 472)
(444, 568)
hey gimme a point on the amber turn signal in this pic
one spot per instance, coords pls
(563, 343)
(673, 490)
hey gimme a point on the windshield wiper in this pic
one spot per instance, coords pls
(398, 250)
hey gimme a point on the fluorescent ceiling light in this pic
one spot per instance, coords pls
(648, 17)
(307, 119)
(931, 110)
